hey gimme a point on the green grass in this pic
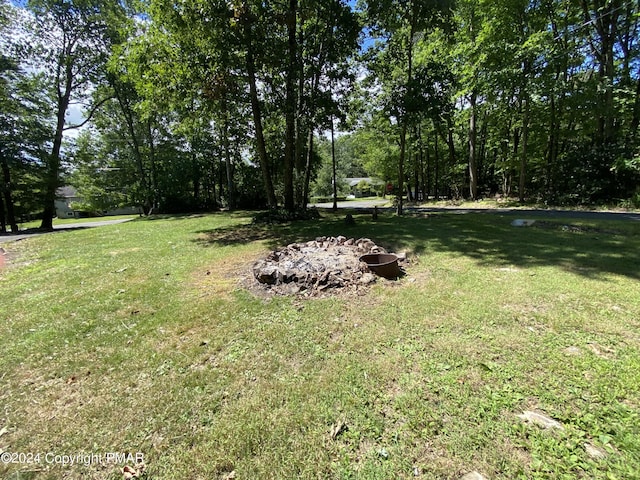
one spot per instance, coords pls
(138, 338)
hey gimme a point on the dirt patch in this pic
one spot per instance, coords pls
(219, 279)
(326, 265)
(8, 259)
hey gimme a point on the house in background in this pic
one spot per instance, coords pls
(67, 196)
(363, 186)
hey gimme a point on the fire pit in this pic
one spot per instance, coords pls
(383, 264)
(326, 263)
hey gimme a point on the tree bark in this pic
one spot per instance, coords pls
(257, 119)
(227, 158)
(7, 198)
(635, 120)
(334, 180)
(524, 151)
(135, 145)
(3, 223)
(52, 173)
(605, 22)
(290, 109)
(405, 120)
(473, 168)
(154, 173)
(436, 184)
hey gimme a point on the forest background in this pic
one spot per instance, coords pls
(197, 105)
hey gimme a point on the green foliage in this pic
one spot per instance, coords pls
(209, 104)
(97, 181)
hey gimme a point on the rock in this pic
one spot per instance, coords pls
(473, 476)
(594, 452)
(522, 223)
(573, 351)
(266, 274)
(367, 278)
(540, 420)
(382, 453)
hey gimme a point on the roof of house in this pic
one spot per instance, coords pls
(353, 181)
(67, 192)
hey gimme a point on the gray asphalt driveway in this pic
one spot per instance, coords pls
(517, 212)
(64, 227)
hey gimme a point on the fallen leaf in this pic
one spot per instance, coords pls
(338, 428)
(129, 472)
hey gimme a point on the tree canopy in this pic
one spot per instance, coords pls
(199, 105)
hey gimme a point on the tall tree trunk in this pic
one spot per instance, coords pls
(437, 170)
(635, 120)
(257, 120)
(427, 168)
(196, 178)
(315, 80)
(473, 167)
(524, 151)
(334, 179)
(416, 178)
(301, 124)
(403, 148)
(405, 120)
(227, 159)
(134, 143)
(290, 108)
(605, 21)
(3, 222)
(307, 167)
(153, 169)
(451, 144)
(52, 172)
(7, 197)
(552, 149)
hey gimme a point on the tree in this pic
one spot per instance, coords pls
(400, 25)
(73, 42)
(24, 120)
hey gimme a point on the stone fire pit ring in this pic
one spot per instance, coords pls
(325, 264)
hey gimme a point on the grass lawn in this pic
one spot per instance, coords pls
(137, 338)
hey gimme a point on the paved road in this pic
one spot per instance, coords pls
(57, 228)
(352, 204)
(519, 212)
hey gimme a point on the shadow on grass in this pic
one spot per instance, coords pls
(489, 239)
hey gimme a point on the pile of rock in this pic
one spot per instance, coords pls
(317, 266)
